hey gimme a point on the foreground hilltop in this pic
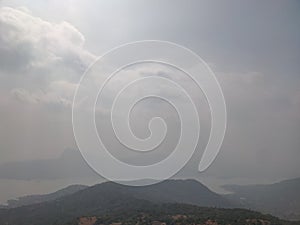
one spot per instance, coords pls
(173, 214)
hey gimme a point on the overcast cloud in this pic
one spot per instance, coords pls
(253, 48)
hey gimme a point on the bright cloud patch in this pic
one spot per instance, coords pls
(44, 58)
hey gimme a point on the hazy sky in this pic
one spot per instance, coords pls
(252, 46)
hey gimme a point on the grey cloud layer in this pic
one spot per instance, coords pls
(253, 48)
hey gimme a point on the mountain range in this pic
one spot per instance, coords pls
(108, 202)
(111, 197)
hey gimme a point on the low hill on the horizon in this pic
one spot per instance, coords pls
(281, 199)
(33, 199)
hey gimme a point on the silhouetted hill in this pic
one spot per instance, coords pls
(171, 191)
(280, 199)
(109, 196)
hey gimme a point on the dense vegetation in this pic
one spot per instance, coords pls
(182, 214)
